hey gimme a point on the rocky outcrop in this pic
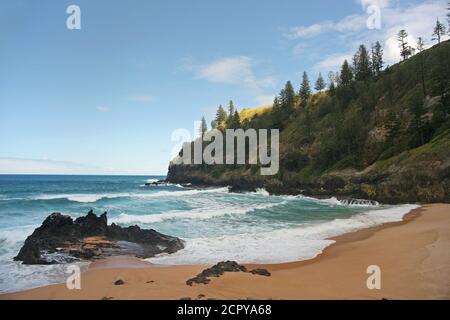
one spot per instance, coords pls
(155, 183)
(61, 239)
(416, 181)
(219, 269)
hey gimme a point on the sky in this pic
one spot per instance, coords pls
(105, 99)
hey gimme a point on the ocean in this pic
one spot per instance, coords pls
(216, 225)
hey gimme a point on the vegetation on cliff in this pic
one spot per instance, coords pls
(373, 133)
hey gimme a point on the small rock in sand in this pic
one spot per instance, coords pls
(261, 272)
(119, 282)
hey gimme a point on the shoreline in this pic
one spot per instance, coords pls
(400, 249)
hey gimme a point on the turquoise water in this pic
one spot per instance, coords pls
(217, 225)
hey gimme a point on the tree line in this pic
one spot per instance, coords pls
(367, 64)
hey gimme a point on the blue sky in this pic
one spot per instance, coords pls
(106, 98)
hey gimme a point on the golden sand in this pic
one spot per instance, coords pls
(414, 257)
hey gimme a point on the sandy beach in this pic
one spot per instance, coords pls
(413, 255)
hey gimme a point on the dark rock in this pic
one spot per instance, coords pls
(421, 181)
(61, 240)
(198, 280)
(333, 183)
(155, 183)
(155, 242)
(186, 298)
(119, 282)
(240, 188)
(261, 272)
(201, 295)
(91, 225)
(107, 298)
(216, 271)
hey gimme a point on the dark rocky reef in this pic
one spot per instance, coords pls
(155, 183)
(220, 268)
(419, 182)
(61, 239)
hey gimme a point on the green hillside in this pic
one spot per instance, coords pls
(373, 134)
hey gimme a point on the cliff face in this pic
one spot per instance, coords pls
(386, 138)
(426, 180)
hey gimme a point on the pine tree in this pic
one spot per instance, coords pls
(421, 47)
(346, 73)
(320, 83)
(420, 44)
(236, 121)
(405, 49)
(332, 89)
(334, 77)
(231, 110)
(277, 113)
(203, 127)
(438, 31)
(287, 98)
(220, 118)
(305, 89)
(361, 64)
(377, 59)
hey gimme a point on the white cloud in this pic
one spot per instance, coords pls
(418, 20)
(227, 70)
(348, 24)
(379, 3)
(306, 31)
(103, 108)
(332, 62)
(237, 70)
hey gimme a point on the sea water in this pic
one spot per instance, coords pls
(215, 224)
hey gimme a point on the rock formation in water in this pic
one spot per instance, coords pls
(60, 239)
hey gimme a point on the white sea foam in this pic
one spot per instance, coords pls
(82, 198)
(180, 193)
(331, 201)
(262, 192)
(199, 213)
(286, 245)
(335, 202)
(90, 198)
(14, 275)
(18, 234)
